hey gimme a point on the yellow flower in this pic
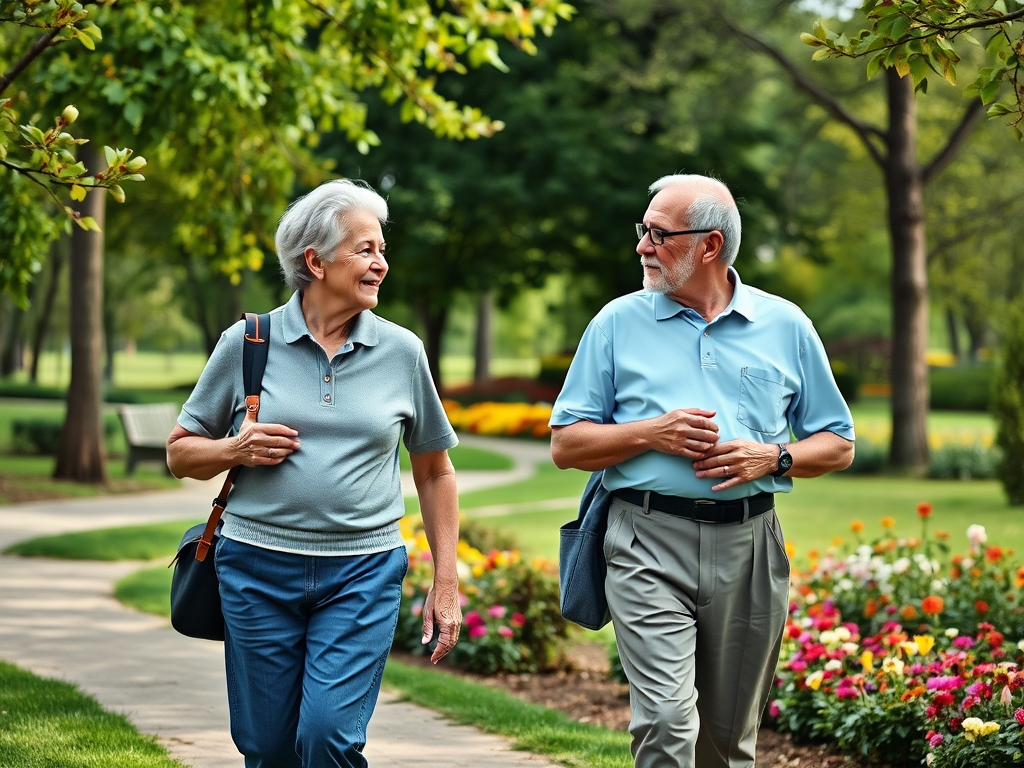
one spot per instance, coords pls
(908, 648)
(814, 680)
(888, 522)
(892, 666)
(867, 660)
(790, 549)
(924, 643)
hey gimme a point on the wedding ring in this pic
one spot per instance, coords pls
(726, 469)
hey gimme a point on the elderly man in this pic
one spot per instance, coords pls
(689, 395)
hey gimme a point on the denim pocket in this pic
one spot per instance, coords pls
(762, 396)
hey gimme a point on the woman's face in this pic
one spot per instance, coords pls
(359, 265)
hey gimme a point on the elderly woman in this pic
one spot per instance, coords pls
(310, 558)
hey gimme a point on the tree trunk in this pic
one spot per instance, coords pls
(954, 334)
(434, 320)
(42, 329)
(483, 346)
(81, 455)
(11, 346)
(905, 190)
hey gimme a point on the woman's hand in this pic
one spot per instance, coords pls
(258, 444)
(441, 609)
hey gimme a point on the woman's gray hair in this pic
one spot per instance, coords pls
(708, 210)
(318, 220)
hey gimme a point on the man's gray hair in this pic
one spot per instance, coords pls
(708, 210)
(318, 220)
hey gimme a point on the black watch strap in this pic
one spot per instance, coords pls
(785, 461)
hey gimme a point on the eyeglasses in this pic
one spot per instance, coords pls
(658, 235)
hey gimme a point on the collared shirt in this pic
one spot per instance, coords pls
(759, 365)
(340, 493)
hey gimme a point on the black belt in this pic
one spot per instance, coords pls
(701, 510)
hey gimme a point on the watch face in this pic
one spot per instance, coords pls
(786, 461)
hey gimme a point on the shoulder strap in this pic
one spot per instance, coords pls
(255, 349)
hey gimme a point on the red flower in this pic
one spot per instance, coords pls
(994, 554)
(924, 510)
(981, 606)
(932, 605)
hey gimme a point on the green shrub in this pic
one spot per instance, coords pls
(553, 369)
(1008, 406)
(962, 388)
(511, 621)
(964, 462)
(42, 436)
(847, 379)
(868, 459)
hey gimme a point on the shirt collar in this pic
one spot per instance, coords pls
(742, 302)
(293, 324)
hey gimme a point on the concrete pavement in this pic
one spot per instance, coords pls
(58, 619)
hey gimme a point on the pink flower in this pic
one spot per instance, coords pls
(518, 619)
(1006, 697)
(417, 608)
(935, 740)
(774, 711)
(473, 620)
(963, 642)
(846, 692)
(478, 630)
(798, 666)
(463, 600)
(947, 683)
(505, 631)
(1019, 717)
(497, 611)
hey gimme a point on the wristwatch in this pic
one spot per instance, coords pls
(785, 461)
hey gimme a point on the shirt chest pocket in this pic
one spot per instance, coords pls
(762, 400)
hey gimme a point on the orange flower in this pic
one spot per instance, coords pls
(856, 526)
(1019, 580)
(870, 608)
(981, 606)
(908, 612)
(932, 605)
(942, 535)
(888, 522)
(924, 510)
(913, 693)
(994, 554)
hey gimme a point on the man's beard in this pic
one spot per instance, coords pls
(668, 280)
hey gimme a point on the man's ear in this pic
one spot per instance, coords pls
(314, 263)
(713, 245)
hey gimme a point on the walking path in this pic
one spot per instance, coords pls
(58, 619)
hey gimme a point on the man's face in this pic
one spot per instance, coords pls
(669, 266)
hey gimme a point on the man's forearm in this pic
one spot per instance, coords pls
(589, 446)
(819, 454)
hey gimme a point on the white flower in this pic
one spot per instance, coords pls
(851, 649)
(977, 536)
(835, 665)
(1020, 645)
(844, 585)
(967, 563)
(902, 565)
(953, 632)
(938, 585)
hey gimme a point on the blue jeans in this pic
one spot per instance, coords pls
(306, 642)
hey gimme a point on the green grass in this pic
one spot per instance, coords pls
(532, 727)
(549, 483)
(50, 724)
(131, 542)
(148, 590)
(25, 478)
(465, 457)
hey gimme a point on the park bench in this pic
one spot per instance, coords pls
(146, 428)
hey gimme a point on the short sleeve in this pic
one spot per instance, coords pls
(428, 429)
(209, 410)
(820, 406)
(589, 390)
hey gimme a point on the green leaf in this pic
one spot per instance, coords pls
(899, 28)
(998, 109)
(109, 155)
(85, 40)
(821, 53)
(875, 64)
(808, 39)
(819, 31)
(133, 113)
(990, 91)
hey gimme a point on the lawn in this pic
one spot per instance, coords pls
(51, 723)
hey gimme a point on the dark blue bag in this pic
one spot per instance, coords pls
(581, 566)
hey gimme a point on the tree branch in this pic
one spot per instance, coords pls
(956, 139)
(40, 45)
(864, 131)
(1006, 18)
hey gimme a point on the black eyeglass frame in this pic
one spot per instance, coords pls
(642, 229)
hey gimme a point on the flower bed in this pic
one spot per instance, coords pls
(490, 418)
(511, 621)
(898, 650)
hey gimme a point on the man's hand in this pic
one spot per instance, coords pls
(258, 444)
(688, 432)
(442, 608)
(737, 461)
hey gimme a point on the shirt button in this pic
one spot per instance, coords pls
(707, 333)
(327, 398)
(327, 378)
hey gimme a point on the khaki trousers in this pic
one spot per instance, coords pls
(699, 610)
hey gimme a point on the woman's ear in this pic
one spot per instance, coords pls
(314, 263)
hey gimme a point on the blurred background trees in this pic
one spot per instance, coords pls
(502, 248)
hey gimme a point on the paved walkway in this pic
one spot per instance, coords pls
(58, 619)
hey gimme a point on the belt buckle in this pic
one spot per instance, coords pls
(703, 503)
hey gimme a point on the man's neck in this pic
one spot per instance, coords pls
(706, 294)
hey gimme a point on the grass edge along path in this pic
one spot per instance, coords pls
(531, 727)
(46, 722)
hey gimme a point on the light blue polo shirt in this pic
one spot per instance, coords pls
(759, 365)
(340, 493)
